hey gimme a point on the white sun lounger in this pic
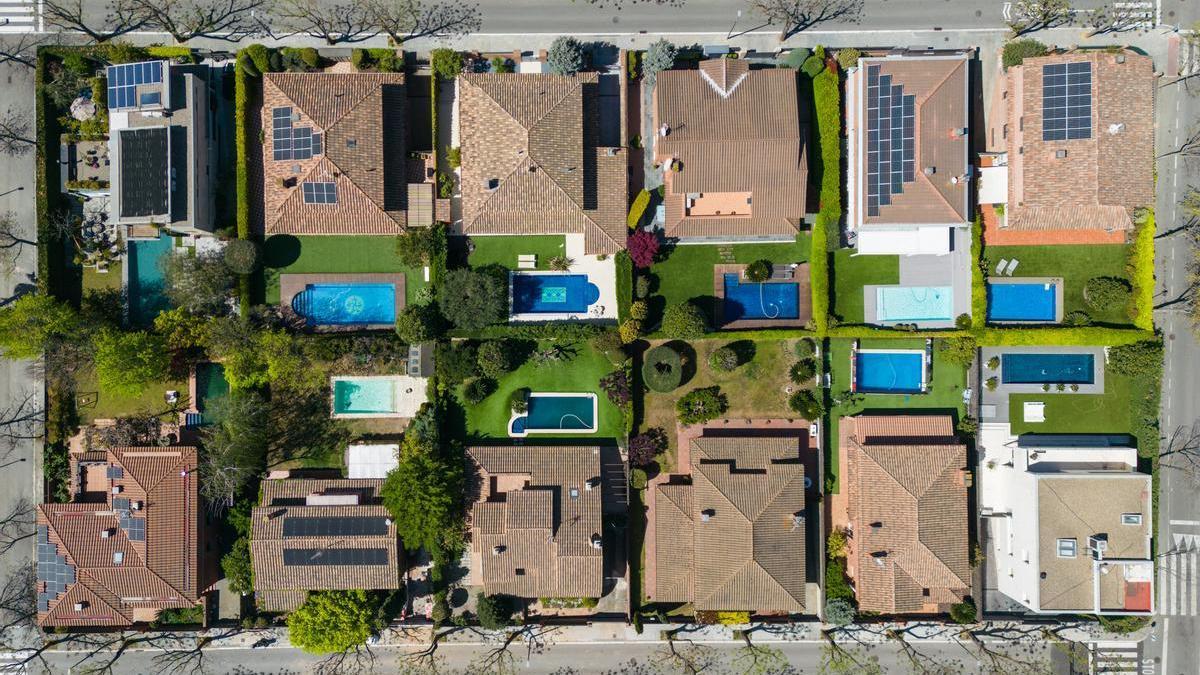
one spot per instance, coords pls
(527, 261)
(1001, 265)
(1012, 267)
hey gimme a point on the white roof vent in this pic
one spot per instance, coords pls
(80, 605)
(597, 541)
(1060, 153)
(106, 533)
(664, 130)
(118, 557)
(116, 489)
(1116, 127)
(707, 515)
(930, 170)
(136, 506)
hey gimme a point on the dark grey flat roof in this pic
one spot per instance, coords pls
(145, 178)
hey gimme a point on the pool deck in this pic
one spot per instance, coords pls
(994, 404)
(290, 285)
(800, 277)
(409, 394)
(602, 273)
(926, 355)
(952, 270)
(1058, 297)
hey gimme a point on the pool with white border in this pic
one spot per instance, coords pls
(576, 412)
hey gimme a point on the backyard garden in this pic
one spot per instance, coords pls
(851, 273)
(1096, 287)
(352, 254)
(480, 252)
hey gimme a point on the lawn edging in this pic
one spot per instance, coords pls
(1140, 269)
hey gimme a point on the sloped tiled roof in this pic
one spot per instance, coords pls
(733, 130)
(1102, 180)
(361, 117)
(530, 161)
(536, 541)
(125, 572)
(907, 505)
(735, 538)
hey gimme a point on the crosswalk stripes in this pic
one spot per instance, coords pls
(1179, 578)
(1114, 658)
(18, 16)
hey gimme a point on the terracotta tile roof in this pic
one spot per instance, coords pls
(530, 161)
(361, 117)
(1103, 179)
(907, 506)
(150, 559)
(536, 540)
(939, 85)
(735, 131)
(730, 540)
(353, 545)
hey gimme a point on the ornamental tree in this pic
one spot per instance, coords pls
(423, 494)
(683, 321)
(333, 621)
(32, 321)
(565, 56)
(660, 56)
(126, 363)
(471, 299)
(701, 405)
(643, 247)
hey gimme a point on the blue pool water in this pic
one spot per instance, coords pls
(760, 301)
(1047, 368)
(913, 303)
(558, 413)
(889, 372)
(356, 304)
(365, 396)
(146, 285)
(1021, 302)
(552, 293)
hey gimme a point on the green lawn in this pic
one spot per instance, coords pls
(1107, 413)
(686, 273)
(1075, 264)
(851, 273)
(503, 251)
(582, 373)
(351, 254)
(945, 390)
(95, 404)
(93, 280)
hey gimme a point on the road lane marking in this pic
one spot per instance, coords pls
(1185, 522)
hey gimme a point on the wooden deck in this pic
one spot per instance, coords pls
(800, 277)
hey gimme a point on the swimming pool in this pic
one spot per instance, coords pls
(210, 385)
(144, 261)
(913, 303)
(1048, 368)
(550, 413)
(378, 395)
(760, 301)
(1022, 302)
(552, 293)
(356, 304)
(889, 371)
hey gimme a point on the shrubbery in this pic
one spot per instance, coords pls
(565, 56)
(701, 405)
(662, 369)
(723, 359)
(1136, 359)
(1106, 293)
(803, 371)
(477, 389)
(1016, 51)
(683, 321)
(447, 64)
(638, 209)
(963, 612)
(644, 447)
(758, 271)
(494, 611)
(806, 404)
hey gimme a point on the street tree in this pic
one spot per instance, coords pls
(32, 321)
(1181, 452)
(333, 621)
(660, 56)
(16, 525)
(1034, 15)
(99, 24)
(12, 237)
(184, 20)
(846, 659)
(1115, 16)
(18, 598)
(16, 133)
(347, 21)
(22, 419)
(796, 16)
(405, 20)
(21, 49)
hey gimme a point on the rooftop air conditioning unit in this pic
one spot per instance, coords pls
(136, 506)
(597, 542)
(117, 489)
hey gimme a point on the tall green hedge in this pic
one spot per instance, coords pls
(624, 265)
(818, 272)
(47, 174)
(1140, 268)
(241, 137)
(827, 99)
(978, 279)
(1080, 336)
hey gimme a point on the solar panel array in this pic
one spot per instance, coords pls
(120, 503)
(891, 123)
(52, 569)
(115, 472)
(1066, 101)
(135, 528)
(335, 556)
(320, 193)
(123, 81)
(342, 526)
(292, 142)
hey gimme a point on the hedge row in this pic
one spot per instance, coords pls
(624, 265)
(1140, 269)
(241, 138)
(818, 272)
(1081, 336)
(827, 99)
(978, 279)
(534, 331)
(433, 125)
(47, 174)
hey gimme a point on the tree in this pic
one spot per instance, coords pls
(241, 256)
(496, 359)
(286, 364)
(723, 359)
(29, 324)
(839, 612)
(418, 246)
(837, 659)
(494, 611)
(234, 340)
(963, 612)
(795, 16)
(348, 21)
(1181, 452)
(660, 56)
(565, 56)
(21, 48)
(662, 368)
(405, 20)
(119, 17)
(758, 271)
(234, 448)
(126, 363)
(181, 329)
(701, 405)
(803, 371)
(958, 350)
(446, 63)
(418, 323)
(1117, 16)
(806, 404)
(333, 621)
(238, 566)
(12, 239)
(16, 133)
(1034, 15)
(643, 247)
(645, 447)
(201, 282)
(683, 321)
(423, 495)
(471, 299)
(184, 20)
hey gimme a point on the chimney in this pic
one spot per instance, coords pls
(597, 541)
(117, 489)
(930, 170)
(136, 506)
(106, 533)
(497, 550)
(664, 130)
(707, 515)
(960, 132)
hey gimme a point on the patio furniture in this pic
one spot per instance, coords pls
(1012, 267)
(527, 261)
(1001, 265)
(1034, 411)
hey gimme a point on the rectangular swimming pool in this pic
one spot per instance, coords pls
(352, 304)
(1022, 302)
(914, 303)
(1048, 368)
(210, 386)
(552, 293)
(889, 371)
(760, 301)
(144, 263)
(550, 413)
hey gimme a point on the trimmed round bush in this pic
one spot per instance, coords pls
(848, 58)
(663, 369)
(1107, 293)
(518, 401)
(806, 404)
(805, 348)
(701, 405)
(839, 612)
(802, 372)
(723, 359)
(963, 612)
(241, 256)
(630, 331)
(477, 389)
(638, 479)
(962, 321)
(758, 271)
(642, 287)
(991, 383)
(813, 66)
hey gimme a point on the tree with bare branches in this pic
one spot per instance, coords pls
(1001, 657)
(1116, 16)
(230, 20)
(684, 655)
(18, 599)
(843, 659)
(16, 133)
(922, 662)
(114, 19)
(405, 20)
(1029, 16)
(24, 418)
(21, 48)
(346, 21)
(1181, 452)
(796, 16)
(502, 658)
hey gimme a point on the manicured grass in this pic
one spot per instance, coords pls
(355, 254)
(851, 273)
(503, 251)
(1107, 413)
(686, 273)
(93, 280)
(95, 404)
(945, 390)
(580, 374)
(1075, 264)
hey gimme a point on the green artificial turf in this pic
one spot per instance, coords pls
(851, 273)
(1075, 264)
(504, 250)
(352, 254)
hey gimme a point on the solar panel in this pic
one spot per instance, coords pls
(291, 142)
(320, 193)
(53, 570)
(335, 556)
(120, 503)
(135, 528)
(115, 472)
(891, 126)
(331, 527)
(123, 81)
(1066, 101)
